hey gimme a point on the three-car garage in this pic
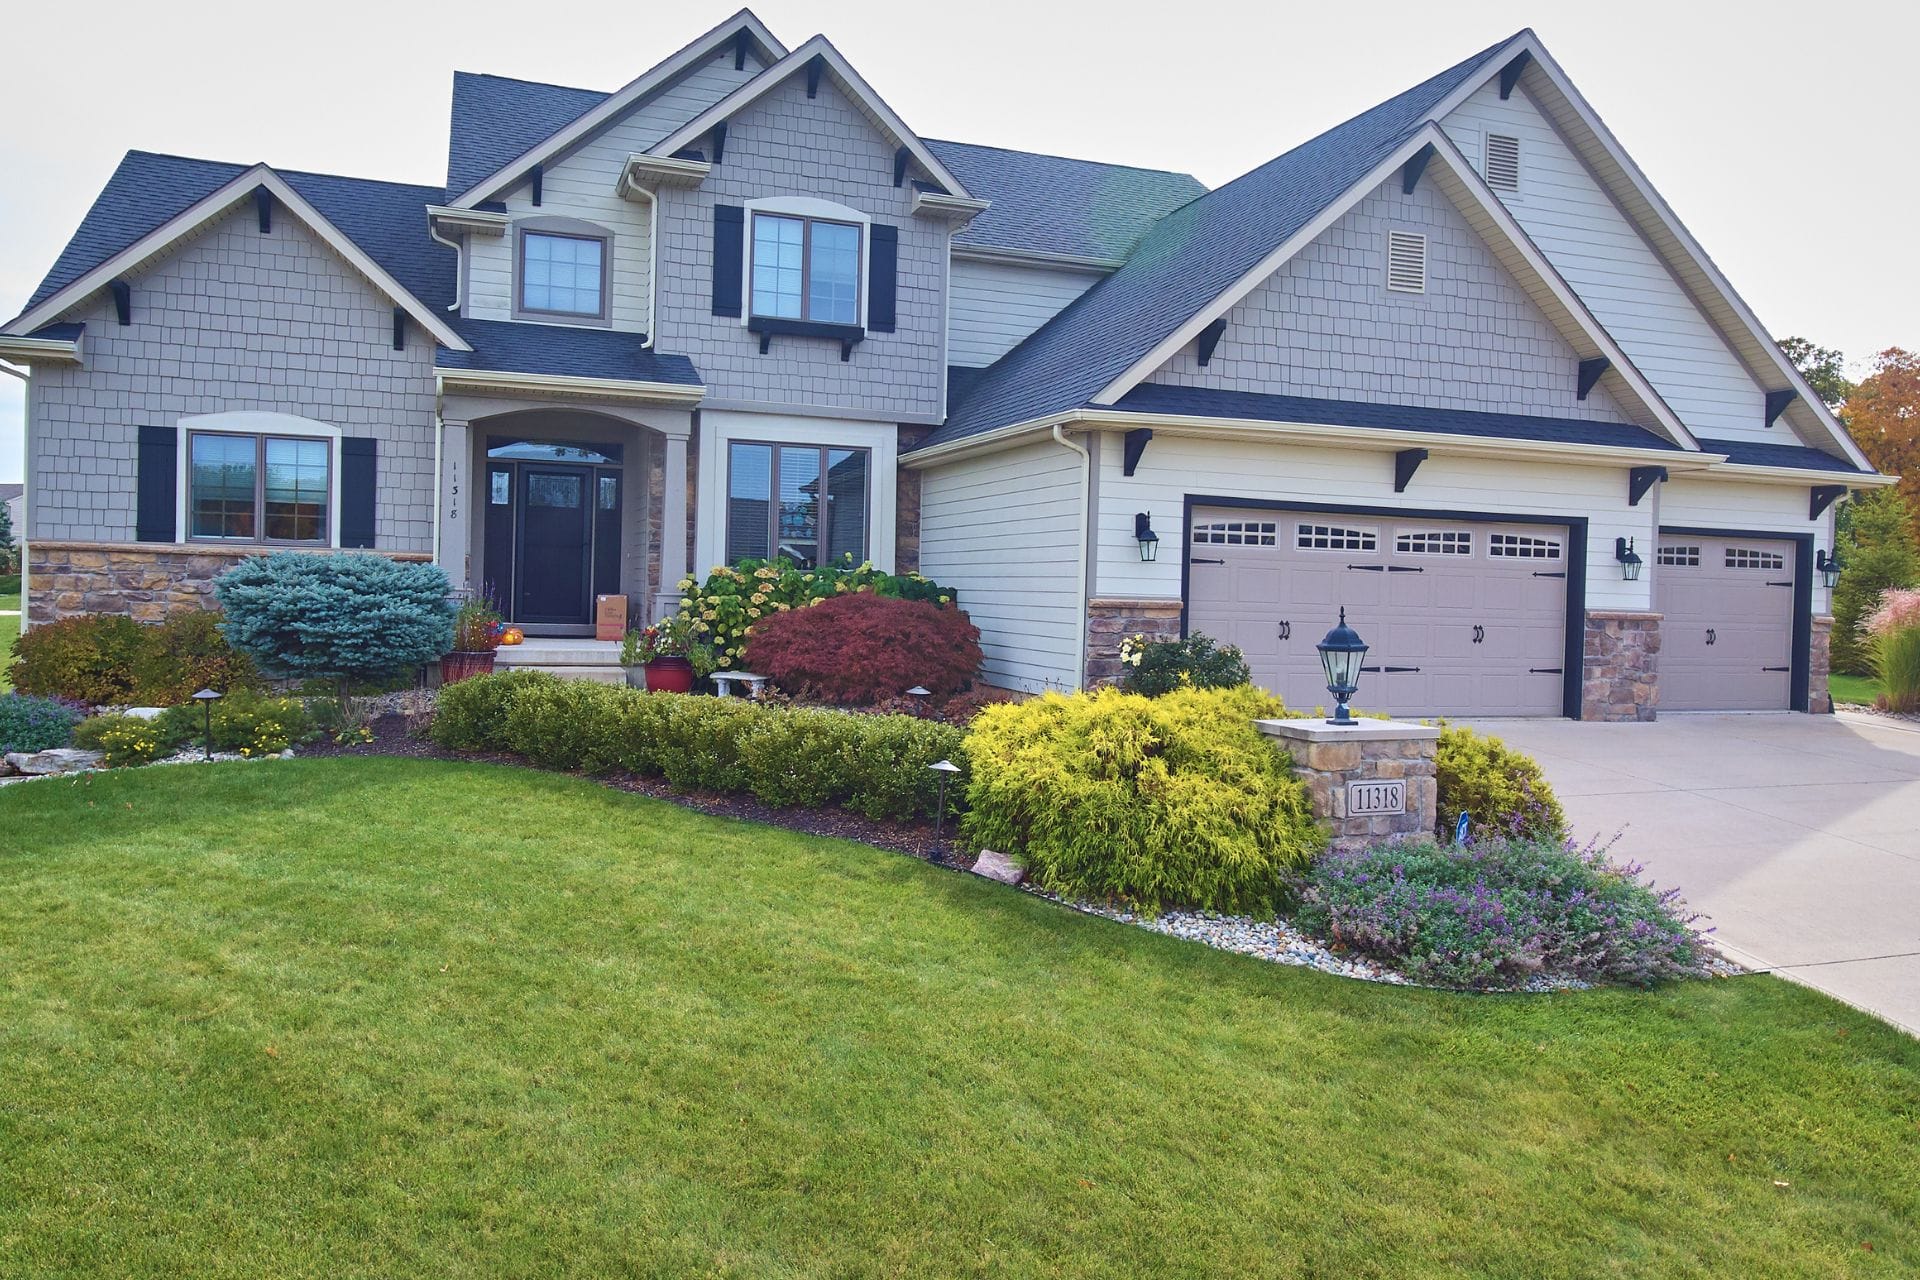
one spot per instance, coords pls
(1484, 614)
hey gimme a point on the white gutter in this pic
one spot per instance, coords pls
(1080, 567)
(24, 350)
(18, 373)
(1034, 258)
(1744, 473)
(459, 259)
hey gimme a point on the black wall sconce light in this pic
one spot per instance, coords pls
(1629, 559)
(1143, 533)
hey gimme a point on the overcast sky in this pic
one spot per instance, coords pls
(1785, 143)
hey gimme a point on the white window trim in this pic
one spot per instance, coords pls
(803, 207)
(720, 428)
(255, 422)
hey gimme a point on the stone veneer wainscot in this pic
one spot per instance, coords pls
(1112, 620)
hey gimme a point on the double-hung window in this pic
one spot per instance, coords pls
(805, 502)
(259, 488)
(563, 275)
(806, 269)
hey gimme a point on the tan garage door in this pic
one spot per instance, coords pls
(1726, 638)
(1462, 617)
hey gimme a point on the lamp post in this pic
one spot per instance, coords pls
(1629, 559)
(206, 698)
(946, 769)
(920, 693)
(1340, 657)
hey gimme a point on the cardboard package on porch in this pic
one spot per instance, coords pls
(609, 617)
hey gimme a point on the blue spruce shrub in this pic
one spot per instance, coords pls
(340, 616)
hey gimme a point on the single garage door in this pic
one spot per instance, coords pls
(1463, 618)
(1726, 640)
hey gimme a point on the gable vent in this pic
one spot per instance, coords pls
(1406, 261)
(1503, 162)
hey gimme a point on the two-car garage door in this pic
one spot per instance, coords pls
(1462, 617)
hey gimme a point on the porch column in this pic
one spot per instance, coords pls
(673, 523)
(456, 495)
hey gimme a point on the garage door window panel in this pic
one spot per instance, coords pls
(1437, 542)
(1749, 558)
(1334, 537)
(1521, 546)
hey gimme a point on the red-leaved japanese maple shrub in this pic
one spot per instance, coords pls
(861, 648)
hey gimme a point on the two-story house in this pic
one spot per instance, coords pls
(1453, 365)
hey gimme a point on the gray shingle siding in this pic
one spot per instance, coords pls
(789, 145)
(1326, 325)
(233, 319)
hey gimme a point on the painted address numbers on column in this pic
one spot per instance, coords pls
(1382, 797)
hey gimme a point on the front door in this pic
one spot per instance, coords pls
(556, 545)
(553, 535)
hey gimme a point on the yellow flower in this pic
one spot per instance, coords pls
(839, 586)
(725, 661)
(753, 613)
(685, 603)
(759, 597)
(709, 614)
(946, 599)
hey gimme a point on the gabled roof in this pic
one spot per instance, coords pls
(1055, 207)
(593, 116)
(1756, 453)
(850, 83)
(496, 119)
(153, 200)
(1195, 255)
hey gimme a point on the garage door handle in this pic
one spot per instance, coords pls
(1550, 575)
(1776, 668)
(1711, 637)
(1286, 631)
(1370, 568)
(1546, 671)
(1199, 560)
(1389, 670)
(1479, 634)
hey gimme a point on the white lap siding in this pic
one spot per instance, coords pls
(1004, 531)
(1174, 467)
(995, 305)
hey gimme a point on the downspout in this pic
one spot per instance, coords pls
(653, 257)
(1080, 564)
(459, 260)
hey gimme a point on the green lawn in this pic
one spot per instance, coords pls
(9, 627)
(385, 1017)
(1861, 689)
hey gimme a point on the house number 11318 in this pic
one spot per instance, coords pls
(1365, 798)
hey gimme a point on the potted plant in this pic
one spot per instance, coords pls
(664, 651)
(476, 633)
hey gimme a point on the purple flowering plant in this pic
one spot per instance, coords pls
(1500, 911)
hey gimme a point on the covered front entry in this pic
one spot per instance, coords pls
(1727, 634)
(1464, 616)
(553, 528)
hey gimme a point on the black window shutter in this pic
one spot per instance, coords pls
(156, 485)
(882, 276)
(358, 470)
(729, 244)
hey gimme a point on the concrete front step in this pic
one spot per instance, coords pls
(546, 654)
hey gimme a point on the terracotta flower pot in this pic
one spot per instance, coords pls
(670, 675)
(463, 664)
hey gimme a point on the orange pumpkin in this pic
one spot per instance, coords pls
(512, 635)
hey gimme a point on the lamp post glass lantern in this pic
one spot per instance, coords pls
(1340, 656)
(206, 698)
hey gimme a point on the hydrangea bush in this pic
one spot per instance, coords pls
(1498, 912)
(736, 596)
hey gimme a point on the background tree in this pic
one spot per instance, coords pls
(1824, 368)
(1879, 550)
(9, 554)
(1883, 415)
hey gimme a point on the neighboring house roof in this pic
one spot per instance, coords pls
(1752, 453)
(1205, 402)
(8, 492)
(1190, 258)
(564, 351)
(1054, 206)
(386, 220)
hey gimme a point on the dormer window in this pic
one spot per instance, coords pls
(563, 275)
(806, 269)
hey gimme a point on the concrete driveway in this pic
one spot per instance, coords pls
(1798, 835)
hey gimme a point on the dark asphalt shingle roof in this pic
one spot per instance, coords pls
(563, 351)
(1756, 453)
(1050, 204)
(497, 118)
(387, 220)
(1188, 258)
(1208, 403)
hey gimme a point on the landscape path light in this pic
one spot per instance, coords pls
(946, 769)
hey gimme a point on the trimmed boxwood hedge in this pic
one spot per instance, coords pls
(875, 765)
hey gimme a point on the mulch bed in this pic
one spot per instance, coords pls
(916, 839)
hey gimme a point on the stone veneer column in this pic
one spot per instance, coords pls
(1111, 620)
(1621, 661)
(1819, 664)
(1331, 759)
